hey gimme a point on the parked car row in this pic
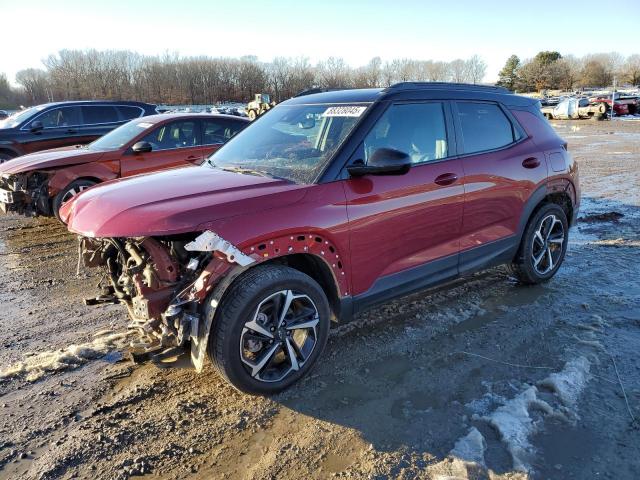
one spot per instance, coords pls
(39, 183)
(595, 107)
(328, 204)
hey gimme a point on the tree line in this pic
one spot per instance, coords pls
(172, 79)
(551, 70)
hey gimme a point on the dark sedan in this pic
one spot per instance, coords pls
(54, 125)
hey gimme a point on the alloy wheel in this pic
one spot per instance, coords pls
(280, 337)
(72, 192)
(547, 244)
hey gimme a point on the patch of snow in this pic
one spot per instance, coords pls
(512, 420)
(36, 365)
(515, 425)
(471, 447)
(569, 383)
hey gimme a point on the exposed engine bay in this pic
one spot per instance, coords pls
(162, 281)
(25, 194)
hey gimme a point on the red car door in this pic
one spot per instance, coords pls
(502, 168)
(405, 229)
(174, 144)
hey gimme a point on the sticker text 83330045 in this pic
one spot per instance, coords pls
(344, 111)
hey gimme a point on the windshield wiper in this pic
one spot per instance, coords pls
(249, 171)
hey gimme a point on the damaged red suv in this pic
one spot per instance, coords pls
(328, 204)
(39, 183)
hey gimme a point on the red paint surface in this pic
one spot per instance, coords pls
(376, 225)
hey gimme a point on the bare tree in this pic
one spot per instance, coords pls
(35, 84)
(333, 73)
(476, 69)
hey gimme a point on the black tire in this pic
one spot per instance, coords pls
(65, 195)
(252, 115)
(241, 306)
(546, 250)
(5, 156)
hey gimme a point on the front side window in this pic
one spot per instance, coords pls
(60, 117)
(183, 134)
(121, 136)
(95, 114)
(219, 131)
(294, 142)
(484, 127)
(417, 129)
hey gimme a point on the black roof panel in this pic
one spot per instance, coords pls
(413, 91)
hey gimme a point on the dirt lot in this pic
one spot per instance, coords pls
(488, 379)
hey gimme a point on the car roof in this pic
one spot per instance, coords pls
(412, 91)
(93, 102)
(170, 116)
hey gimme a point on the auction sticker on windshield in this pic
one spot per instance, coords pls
(344, 111)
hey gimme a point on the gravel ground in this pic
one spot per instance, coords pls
(487, 379)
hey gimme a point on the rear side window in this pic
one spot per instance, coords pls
(417, 129)
(484, 127)
(95, 114)
(60, 117)
(129, 112)
(219, 131)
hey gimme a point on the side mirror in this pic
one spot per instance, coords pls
(142, 147)
(384, 161)
(36, 126)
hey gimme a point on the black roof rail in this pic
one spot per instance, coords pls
(446, 85)
(311, 91)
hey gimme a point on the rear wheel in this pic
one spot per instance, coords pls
(68, 193)
(543, 246)
(269, 330)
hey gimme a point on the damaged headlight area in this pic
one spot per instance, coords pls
(162, 281)
(26, 194)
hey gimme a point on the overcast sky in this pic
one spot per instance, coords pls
(355, 30)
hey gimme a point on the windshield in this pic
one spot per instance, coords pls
(17, 118)
(119, 137)
(293, 142)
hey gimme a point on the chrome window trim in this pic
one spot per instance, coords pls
(25, 127)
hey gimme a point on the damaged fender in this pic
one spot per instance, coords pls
(221, 273)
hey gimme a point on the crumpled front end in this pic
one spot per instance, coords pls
(25, 193)
(163, 282)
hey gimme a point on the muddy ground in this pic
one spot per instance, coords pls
(488, 379)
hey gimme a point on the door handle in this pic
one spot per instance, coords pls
(531, 162)
(72, 130)
(193, 157)
(446, 179)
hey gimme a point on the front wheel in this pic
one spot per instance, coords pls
(269, 329)
(543, 246)
(68, 193)
(252, 115)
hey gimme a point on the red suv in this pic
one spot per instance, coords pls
(39, 183)
(327, 204)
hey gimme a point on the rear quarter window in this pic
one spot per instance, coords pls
(484, 127)
(94, 114)
(128, 113)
